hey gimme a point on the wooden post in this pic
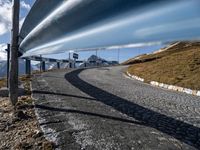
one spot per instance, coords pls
(8, 63)
(13, 72)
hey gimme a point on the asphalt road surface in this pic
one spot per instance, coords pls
(101, 109)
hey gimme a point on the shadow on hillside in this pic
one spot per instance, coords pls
(180, 130)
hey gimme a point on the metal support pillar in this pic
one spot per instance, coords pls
(74, 63)
(85, 64)
(58, 65)
(118, 52)
(8, 63)
(41, 63)
(13, 70)
(28, 67)
(43, 66)
(70, 64)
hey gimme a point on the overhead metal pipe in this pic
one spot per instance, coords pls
(106, 23)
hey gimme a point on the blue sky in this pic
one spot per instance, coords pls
(5, 21)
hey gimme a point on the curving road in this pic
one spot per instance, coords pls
(100, 108)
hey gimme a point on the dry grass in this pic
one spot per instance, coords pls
(180, 65)
(2, 83)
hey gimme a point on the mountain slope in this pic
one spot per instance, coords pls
(178, 65)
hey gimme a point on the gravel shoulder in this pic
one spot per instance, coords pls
(101, 109)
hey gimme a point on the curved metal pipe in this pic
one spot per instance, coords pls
(83, 24)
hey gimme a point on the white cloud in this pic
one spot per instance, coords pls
(25, 5)
(6, 15)
(3, 53)
(21, 22)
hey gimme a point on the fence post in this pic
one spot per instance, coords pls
(8, 63)
(13, 71)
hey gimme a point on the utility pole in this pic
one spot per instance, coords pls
(13, 72)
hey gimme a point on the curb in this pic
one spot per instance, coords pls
(135, 77)
(166, 86)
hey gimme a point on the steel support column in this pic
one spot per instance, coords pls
(58, 65)
(43, 66)
(28, 67)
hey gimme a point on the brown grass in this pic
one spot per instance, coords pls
(2, 83)
(180, 65)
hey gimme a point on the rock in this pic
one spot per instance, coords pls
(23, 145)
(37, 134)
(21, 91)
(4, 92)
(48, 145)
(20, 115)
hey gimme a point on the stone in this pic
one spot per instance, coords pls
(4, 92)
(188, 91)
(198, 93)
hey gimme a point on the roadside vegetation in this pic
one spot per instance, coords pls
(177, 64)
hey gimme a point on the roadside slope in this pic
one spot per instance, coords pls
(177, 65)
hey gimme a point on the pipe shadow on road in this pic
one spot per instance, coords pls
(61, 94)
(87, 113)
(180, 130)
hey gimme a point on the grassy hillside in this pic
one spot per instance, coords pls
(178, 64)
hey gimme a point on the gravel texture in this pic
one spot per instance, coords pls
(101, 109)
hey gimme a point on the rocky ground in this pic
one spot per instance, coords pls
(19, 129)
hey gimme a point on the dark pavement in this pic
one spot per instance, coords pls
(101, 109)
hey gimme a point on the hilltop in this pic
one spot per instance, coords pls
(177, 64)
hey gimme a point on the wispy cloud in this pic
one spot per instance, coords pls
(21, 22)
(25, 5)
(5, 14)
(3, 55)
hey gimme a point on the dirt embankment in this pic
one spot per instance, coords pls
(19, 128)
(178, 64)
